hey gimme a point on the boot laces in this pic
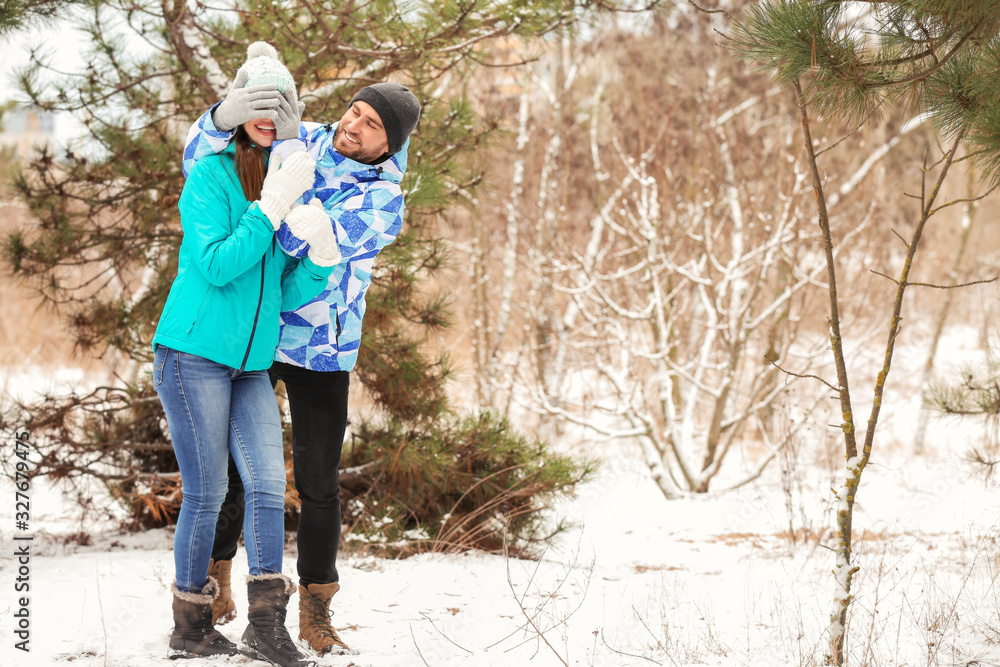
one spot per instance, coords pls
(322, 617)
(205, 627)
(281, 635)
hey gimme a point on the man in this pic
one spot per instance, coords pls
(360, 161)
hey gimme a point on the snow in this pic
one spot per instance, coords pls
(734, 579)
(24, 382)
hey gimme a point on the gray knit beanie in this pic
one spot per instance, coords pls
(396, 106)
(262, 66)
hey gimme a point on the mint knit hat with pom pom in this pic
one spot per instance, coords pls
(262, 66)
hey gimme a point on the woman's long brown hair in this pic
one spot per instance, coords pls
(249, 165)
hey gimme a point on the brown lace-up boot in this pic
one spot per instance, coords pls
(223, 607)
(314, 619)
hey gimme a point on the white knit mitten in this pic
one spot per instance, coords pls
(312, 224)
(285, 182)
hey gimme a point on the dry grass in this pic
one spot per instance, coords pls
(33, 335)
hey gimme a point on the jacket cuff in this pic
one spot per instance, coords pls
(318, 268)
(209, 128)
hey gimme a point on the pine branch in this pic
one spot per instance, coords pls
(18, 15)
(919, 76)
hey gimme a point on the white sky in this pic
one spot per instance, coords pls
(65, 45)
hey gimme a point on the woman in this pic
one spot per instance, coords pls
(213, 344)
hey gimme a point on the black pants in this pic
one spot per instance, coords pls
(318, 405)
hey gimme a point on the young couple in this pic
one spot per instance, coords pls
(282, 221)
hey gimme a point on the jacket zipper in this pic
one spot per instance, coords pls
(253, 330)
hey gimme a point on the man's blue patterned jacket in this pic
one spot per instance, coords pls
(365, 205)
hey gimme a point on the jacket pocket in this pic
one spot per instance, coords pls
(197, 313)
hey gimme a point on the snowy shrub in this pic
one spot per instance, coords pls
(461, 483)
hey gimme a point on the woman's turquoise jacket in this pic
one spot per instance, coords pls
(232, 278)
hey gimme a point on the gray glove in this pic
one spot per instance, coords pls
(245, 104)
(285, 182)
(312, 224)
(287, 115)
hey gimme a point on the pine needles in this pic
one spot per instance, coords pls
(855, 59)
(458, 485)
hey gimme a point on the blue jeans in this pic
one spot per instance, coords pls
(214, 411)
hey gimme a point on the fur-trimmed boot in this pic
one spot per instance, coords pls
(266, 638)
(193, 633)
(315, 625)
(223, 609)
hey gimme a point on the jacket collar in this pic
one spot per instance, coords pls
(390, 169)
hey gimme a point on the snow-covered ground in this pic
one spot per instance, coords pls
(736, 578)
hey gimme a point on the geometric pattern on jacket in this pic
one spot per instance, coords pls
(365, 205)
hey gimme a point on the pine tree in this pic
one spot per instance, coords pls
(20, 14)
(854, 61)
(103, 246)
